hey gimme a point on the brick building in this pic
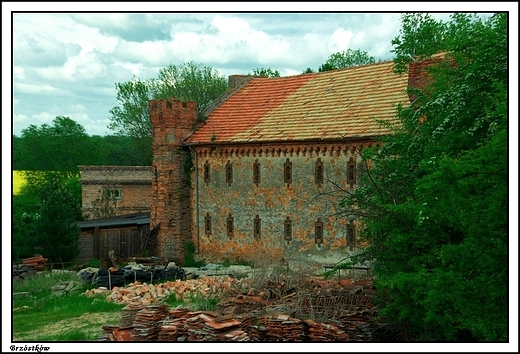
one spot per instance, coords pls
(262, 177)
(115, 190)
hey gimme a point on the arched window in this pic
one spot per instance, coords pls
(287, 171)
(229, 173)
(256, 173)
(257, 227)
(318, 172)
(318, 232)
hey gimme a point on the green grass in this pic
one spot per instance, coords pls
(41, 309)
(70, 336)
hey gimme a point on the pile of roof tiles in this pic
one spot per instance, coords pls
(325, 332)
(129, 313)
(147, 321)
(260, 315)
(284, 328)
(172, 329)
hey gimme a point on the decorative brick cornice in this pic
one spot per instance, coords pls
(331, 148)
(116, 182)
(113, 168)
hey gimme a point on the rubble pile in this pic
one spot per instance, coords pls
(322, 311)
(147, 294)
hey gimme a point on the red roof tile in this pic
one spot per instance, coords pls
(330, 105)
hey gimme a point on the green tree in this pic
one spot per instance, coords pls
(56, 236)
(131, 117)
(59, 147)
(188, 82)
(268, 72)
(434, 206)
(346, 59)
(25, 209)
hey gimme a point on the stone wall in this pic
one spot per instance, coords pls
(296, 220)
(133, 185)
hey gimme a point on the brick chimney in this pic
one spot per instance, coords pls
(418, 76)
(235, 81)
(172, 121)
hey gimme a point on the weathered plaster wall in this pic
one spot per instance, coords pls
(273, 200)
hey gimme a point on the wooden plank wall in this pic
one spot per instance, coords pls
(125, 242)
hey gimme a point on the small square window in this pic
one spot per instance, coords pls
(113, 193)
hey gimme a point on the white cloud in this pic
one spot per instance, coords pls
(19, 72)
(340, 40)
(19, 118)
(135, 68)
(78, 57)
(35, 89)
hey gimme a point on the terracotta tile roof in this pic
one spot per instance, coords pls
(329, 105)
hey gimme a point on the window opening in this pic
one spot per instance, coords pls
(256, 173)
(229, 173)
(206, 172)
(318, 232)
(230, 226)
(351, 235)
(287, 229)
(257, 227)
(351, 172)
(287, 171)
(113, 193)
(318, 172)
(207, 224)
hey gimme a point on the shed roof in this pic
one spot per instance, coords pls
(141, 218)
(319, 106)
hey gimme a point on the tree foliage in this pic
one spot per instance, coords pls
(188, 82)
(59, 147)
(268, 72)
(56, 235)
(434, 206)
(43, 219)
(346, 59)
(131, 117)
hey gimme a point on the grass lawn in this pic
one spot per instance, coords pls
(42, 316)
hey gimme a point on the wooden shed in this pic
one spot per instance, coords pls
(127, 235)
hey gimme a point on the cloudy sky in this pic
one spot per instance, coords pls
(68, 63)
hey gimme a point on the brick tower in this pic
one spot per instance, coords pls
(172, 121)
